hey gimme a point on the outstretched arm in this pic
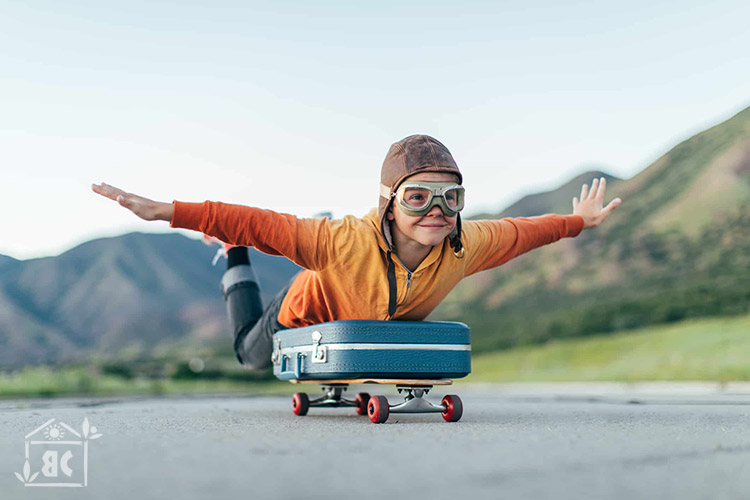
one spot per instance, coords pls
(142, 207)
(307, 242)
(491, 243)
(592, 201)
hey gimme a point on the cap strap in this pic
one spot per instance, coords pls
(392, 298)
(455, 239)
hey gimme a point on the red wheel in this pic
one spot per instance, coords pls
(362, 399)
(378, 410)
(453, 408)
(300, 403)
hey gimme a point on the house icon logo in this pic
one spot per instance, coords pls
(58, 454)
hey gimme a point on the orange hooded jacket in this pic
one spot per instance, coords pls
(345, 260)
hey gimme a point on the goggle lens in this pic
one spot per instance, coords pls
(418, 198)
(451, 198)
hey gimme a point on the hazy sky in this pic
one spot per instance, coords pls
(293, 105)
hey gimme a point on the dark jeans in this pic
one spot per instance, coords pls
(253, 326)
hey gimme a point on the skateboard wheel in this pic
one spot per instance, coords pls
(377, 409)
(362, 399)
(453, 408)
(300, 403)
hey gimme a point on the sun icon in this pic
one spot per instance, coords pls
(53, 432)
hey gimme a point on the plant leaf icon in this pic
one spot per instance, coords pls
(19, 476)
(31, 479)
(85, 427)
(26, 470)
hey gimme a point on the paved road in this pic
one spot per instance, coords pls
(687, 442)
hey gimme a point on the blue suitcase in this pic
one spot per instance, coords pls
(375, 349)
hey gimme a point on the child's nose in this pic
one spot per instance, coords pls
(436, 211)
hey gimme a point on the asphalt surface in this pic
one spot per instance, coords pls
(526, 442)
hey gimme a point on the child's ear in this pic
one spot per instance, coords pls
(389, 215)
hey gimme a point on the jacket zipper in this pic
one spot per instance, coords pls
(408, 287)
(408, 283)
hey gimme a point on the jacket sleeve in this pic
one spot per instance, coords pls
(306, 242)
(490, 243)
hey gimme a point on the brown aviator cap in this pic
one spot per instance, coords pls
(409, 156)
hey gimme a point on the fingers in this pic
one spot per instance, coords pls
(592, 191)
(575, 203)
(124, 201)
(108, 191)
(598, 188)
(602, 188)
(588, 194)
(611, 206)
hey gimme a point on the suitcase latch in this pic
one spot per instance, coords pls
(276, 354)
(319, 352)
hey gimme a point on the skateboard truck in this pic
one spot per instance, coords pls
(333, 397)
(377, 408)
(414, 402)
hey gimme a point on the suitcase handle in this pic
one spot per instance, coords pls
(297, 366)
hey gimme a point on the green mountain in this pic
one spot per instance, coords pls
(679, 246)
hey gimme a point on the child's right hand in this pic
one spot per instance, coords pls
(142, 207)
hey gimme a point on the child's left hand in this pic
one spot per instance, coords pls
(590, 206)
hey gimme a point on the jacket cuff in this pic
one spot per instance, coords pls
(575, 225)
(187, 215)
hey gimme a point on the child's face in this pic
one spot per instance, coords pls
(430, 229)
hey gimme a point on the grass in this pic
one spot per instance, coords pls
(43, 381)
(716, 349)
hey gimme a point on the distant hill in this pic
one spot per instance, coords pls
(679, 246)
(6, 261)
(109, 294)
(557, 201)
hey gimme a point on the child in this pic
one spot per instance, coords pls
(398, 262)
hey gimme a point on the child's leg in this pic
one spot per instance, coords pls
(253, 327)
(242, 294)
(254, 349)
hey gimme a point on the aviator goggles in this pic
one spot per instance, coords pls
(417, 198)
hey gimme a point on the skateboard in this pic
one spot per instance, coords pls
(377, 408)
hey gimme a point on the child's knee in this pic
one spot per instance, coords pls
(238, 277)
(242, 295)
(256, 358)
(256, 365)
(253, 347)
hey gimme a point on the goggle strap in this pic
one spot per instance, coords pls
(385, 192)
